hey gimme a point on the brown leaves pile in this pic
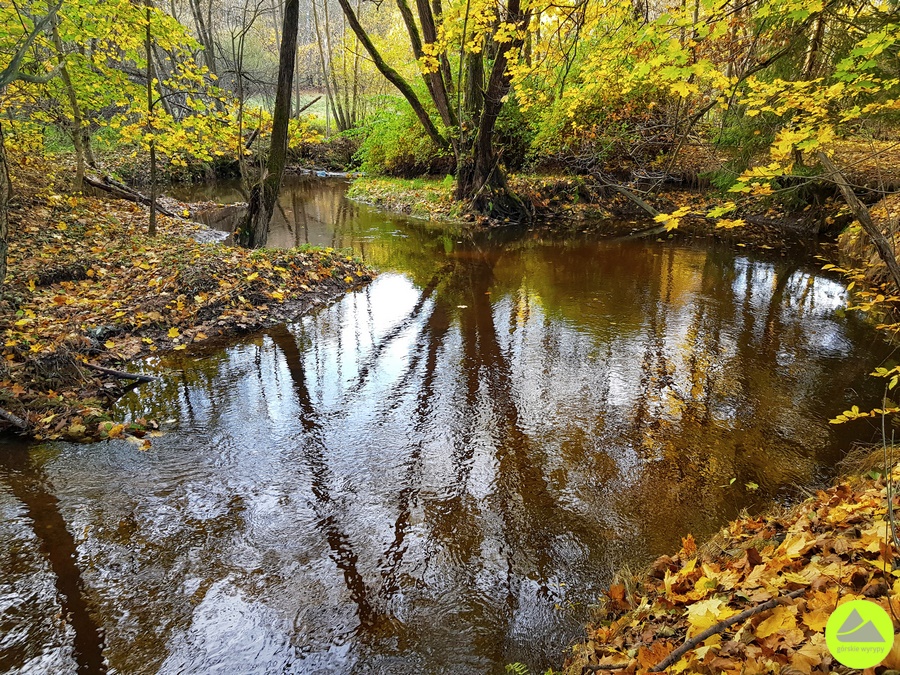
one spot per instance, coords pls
(86, 284)
(835, 547)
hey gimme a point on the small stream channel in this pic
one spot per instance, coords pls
(438, 473)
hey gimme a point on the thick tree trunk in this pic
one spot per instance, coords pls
(254, 228)
(480, 179)
(5, 193)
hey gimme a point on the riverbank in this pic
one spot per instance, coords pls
(88, 289)
(758, 594)
(574, 202)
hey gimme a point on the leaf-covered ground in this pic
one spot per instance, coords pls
(87, 285)
(832, 548)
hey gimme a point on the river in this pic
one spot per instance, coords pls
(438, 473)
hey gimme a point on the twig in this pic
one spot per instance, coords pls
(308, 105)
(719, 627)
(598, 668)
(15, 420)
(122, 374)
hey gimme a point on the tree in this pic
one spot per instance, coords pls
(485, 37)
(11, 73)
(254, 228)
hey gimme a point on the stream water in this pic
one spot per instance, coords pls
(438, 473)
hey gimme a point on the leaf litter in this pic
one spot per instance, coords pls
(832, 548)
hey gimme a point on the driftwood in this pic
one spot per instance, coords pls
(637, 200)
(122, 374)
(861, 213)
(649, 210)
(120, 191)
(722, 625)
(15, 420)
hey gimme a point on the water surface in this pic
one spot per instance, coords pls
(440, 472)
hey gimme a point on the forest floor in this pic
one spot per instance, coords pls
(88, 287)
(794, 568)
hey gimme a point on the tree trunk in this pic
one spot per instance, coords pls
(480, 179)
(254, 227)
(5, 193)
(78, 131)
(882, 245)
(394, 77)
(149, 47)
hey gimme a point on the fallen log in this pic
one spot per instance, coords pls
(15, 420)
(121, 374)
(120, 191)
(861, 213)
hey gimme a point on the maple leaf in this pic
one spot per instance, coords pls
(707, 613)
(782, 619)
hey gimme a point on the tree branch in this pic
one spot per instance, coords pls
(722, 625)
(11, 72)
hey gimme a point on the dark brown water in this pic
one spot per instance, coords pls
(437, 474)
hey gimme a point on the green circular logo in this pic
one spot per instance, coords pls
(859, 634)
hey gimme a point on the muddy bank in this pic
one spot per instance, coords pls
(577, 203)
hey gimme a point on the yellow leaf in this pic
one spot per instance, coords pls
(707, 613)
(180, 347)
(200, 336)
(147, 341)
(253, 276)
(22, 322)
(278, 295)
(782, 618)
(726, 224)
(109, 344)
(173, 332)
(817, 618)
(795, 545)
